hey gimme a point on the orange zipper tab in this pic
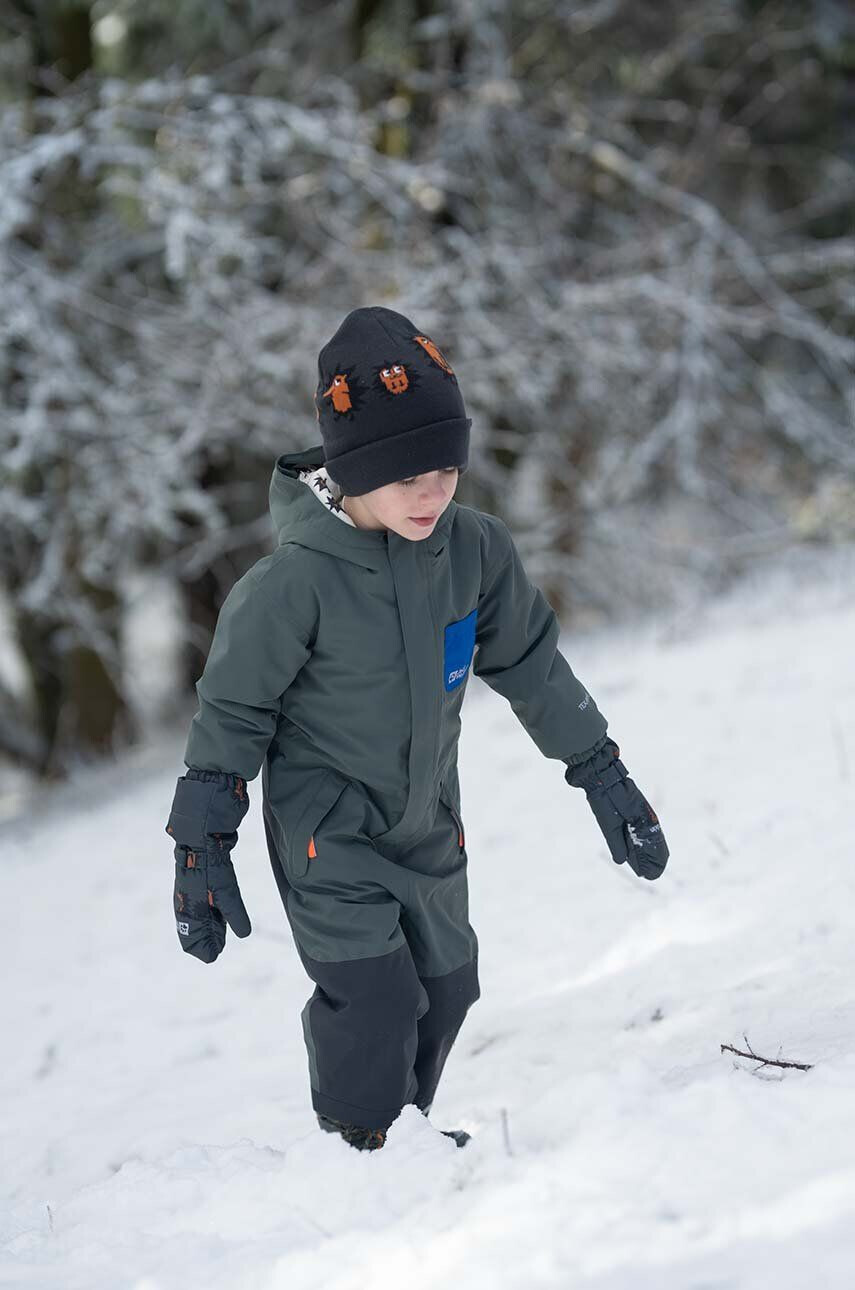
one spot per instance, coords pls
(459, 823)
(312, 851)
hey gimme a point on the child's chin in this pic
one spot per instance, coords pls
(415, 532)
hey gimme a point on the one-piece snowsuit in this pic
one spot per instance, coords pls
(338, 666)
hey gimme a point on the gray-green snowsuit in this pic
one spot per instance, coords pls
(339, 666)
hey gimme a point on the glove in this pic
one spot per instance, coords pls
(207, 808)
(627, 820)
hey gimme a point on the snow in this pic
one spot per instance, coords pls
(155, 1124)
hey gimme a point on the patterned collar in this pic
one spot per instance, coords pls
(319, 481)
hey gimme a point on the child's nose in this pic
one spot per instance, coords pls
(433, 491)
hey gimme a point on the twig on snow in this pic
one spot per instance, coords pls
(764, 1061)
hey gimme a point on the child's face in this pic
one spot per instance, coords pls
(397, 506)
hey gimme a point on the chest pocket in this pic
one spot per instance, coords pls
(458, 650)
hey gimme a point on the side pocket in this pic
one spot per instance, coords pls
(455, 815)
(303, 843)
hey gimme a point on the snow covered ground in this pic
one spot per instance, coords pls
(155, 1127)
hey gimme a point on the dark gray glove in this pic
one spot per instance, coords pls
(627, 820)
(207, 808)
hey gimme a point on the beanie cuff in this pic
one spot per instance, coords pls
(413, 452)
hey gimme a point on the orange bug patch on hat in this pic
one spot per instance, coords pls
(339, 391)
(394, 377)
(435, 353)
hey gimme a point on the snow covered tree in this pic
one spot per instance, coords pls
(631, 226)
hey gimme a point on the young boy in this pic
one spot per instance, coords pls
(338, 666)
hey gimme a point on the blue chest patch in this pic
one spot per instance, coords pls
(459, 648)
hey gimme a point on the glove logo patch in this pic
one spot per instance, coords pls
(184, 929)
(459, 647)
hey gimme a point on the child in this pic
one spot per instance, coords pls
(338, 666)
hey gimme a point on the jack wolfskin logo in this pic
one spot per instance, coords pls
(184, 929)
(459, 646)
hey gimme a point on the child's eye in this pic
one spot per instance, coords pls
(447, 470)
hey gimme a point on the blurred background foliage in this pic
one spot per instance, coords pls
(631, 226)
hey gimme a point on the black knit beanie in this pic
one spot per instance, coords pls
(388, 403)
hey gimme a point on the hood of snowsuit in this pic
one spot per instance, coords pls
(299, 518)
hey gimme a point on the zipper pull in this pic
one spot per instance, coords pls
(459, 823)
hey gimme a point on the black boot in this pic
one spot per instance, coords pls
(373, 1139)
(461, 1137)
(359, 1137)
